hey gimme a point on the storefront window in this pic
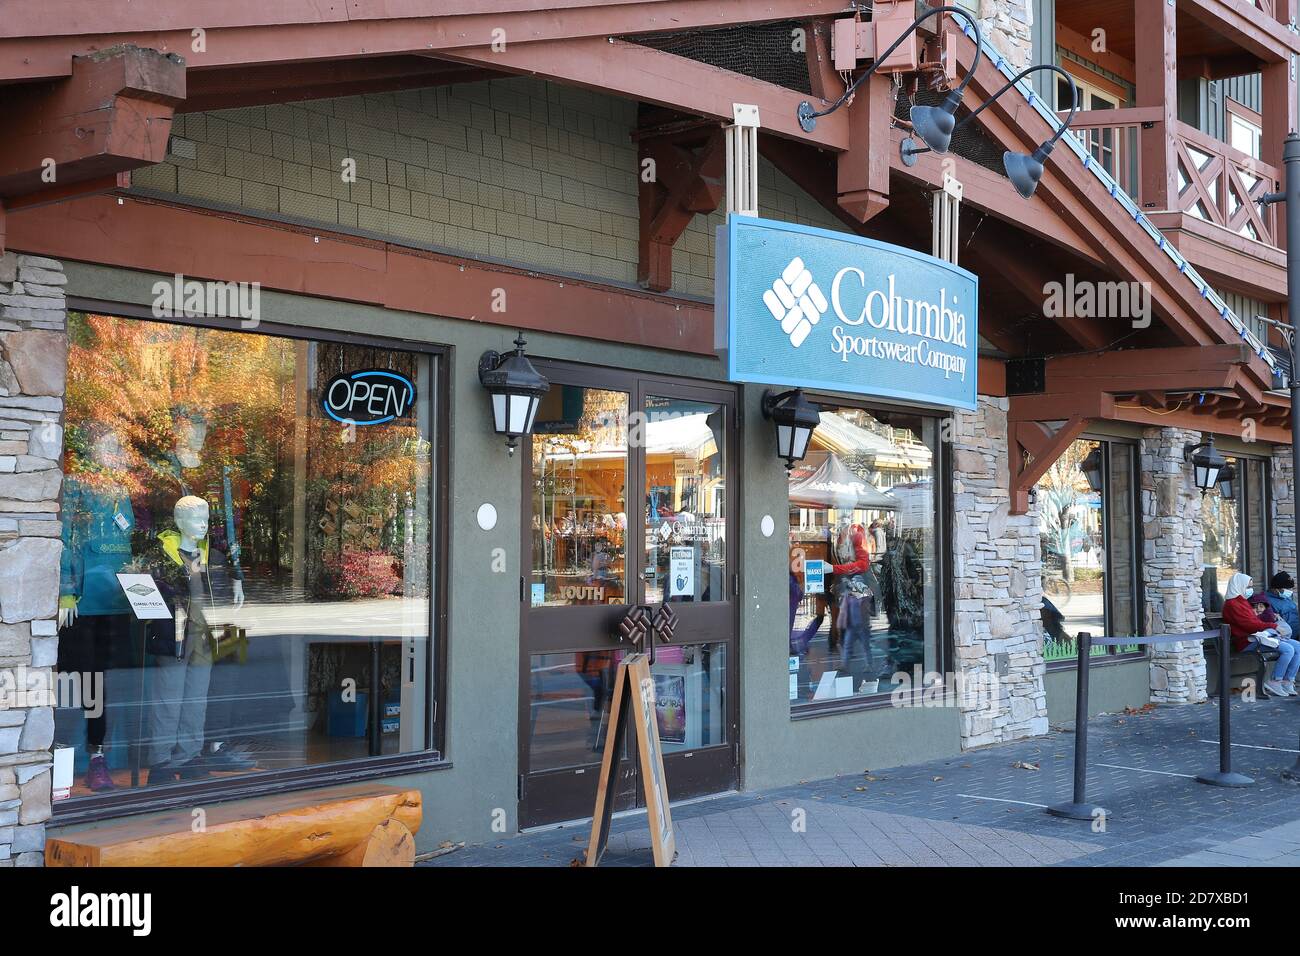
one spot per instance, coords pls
(580, 497)
(1088, 538)
(686, 501)
(1235, 519)
(862, 556)
(276, 494)
(571, 695)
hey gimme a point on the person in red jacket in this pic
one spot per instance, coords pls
(1248, 627)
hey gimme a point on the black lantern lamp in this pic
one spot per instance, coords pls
(934, 124)
(1228, 482)
(516, 389)
(1207, 463)
(795, 419)
(1023, 169)
(1092, 469)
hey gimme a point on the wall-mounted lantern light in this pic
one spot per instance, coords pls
(1207, 463)
(1092, 470)
(516, 389)
(1228, 482)
(795, 419)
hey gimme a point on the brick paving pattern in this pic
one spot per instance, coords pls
(979, 809)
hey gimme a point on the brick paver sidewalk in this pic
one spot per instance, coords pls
(980, 809)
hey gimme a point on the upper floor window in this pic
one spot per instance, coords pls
(1244, 130)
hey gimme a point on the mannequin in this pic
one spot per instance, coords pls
(94, 616)
(194, 580)
(855, 589)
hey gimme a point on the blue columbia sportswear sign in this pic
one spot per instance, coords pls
(800, 307)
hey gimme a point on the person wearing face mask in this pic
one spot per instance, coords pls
(1248, 628)
(1281, 598)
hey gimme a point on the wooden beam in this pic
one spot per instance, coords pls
(685, 177)
(1243, 25)
(38, 39)
(1034, 447)
(1156, 68)
(258, 86)
(314, 261)
(863, 169)
(652, 76)
(111, 116)
(1145, 370)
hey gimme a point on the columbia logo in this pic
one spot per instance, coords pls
(140, 589)
(795, 301)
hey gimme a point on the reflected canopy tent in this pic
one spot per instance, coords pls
(833, 485)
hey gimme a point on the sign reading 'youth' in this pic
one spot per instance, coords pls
(808, 308)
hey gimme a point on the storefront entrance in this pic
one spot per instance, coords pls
(628, 499)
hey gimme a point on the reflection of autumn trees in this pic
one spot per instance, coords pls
(1060, 490)
(148, 381)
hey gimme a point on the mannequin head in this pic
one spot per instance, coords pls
(191, 434)
(191, 516)
(106, 449)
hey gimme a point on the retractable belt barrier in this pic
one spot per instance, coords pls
(1078, 808)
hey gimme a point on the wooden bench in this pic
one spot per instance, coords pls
(357, 825)
(1256, 661)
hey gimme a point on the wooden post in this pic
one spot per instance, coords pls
(1156, 63)
(1278, 111)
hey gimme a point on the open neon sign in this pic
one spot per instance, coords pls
(368, 397)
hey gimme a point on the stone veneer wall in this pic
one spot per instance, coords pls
(1006, 24)
(1284, 547)
(997, 582)
(1172, 539)
(33, 373)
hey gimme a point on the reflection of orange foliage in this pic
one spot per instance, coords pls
(141, 379)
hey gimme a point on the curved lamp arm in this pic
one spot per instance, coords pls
(808, 116)
(1074, 100)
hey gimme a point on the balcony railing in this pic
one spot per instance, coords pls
(1216, 183)
(1223, 185)
(1111, 136)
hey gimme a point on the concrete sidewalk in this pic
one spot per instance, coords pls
(981, 809)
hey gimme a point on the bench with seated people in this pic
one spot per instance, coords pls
(1260, 633)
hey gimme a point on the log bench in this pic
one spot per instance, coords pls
(356, 825)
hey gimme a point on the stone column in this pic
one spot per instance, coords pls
(1284, 549)
(1172, 539)
(1005, 24)
(33, 373)
(997, 584)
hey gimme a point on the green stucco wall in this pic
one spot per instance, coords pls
(1111, 688)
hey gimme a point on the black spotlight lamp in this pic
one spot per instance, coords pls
(934, 124)
(1207, 463)
(1023, 169)
(795, 418)
(1092, 469)
(516, 389)
(1228, 482)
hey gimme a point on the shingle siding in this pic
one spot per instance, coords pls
(522, 170)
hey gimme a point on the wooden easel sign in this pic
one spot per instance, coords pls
(634, 700)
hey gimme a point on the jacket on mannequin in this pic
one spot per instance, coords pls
(195, 583)
(96, 545)
(855, 541)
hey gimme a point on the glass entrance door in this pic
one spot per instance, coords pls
(626, 498)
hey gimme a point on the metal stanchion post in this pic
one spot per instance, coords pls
(1225, 777)
(1077, 808)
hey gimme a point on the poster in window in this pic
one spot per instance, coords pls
(670, 707)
